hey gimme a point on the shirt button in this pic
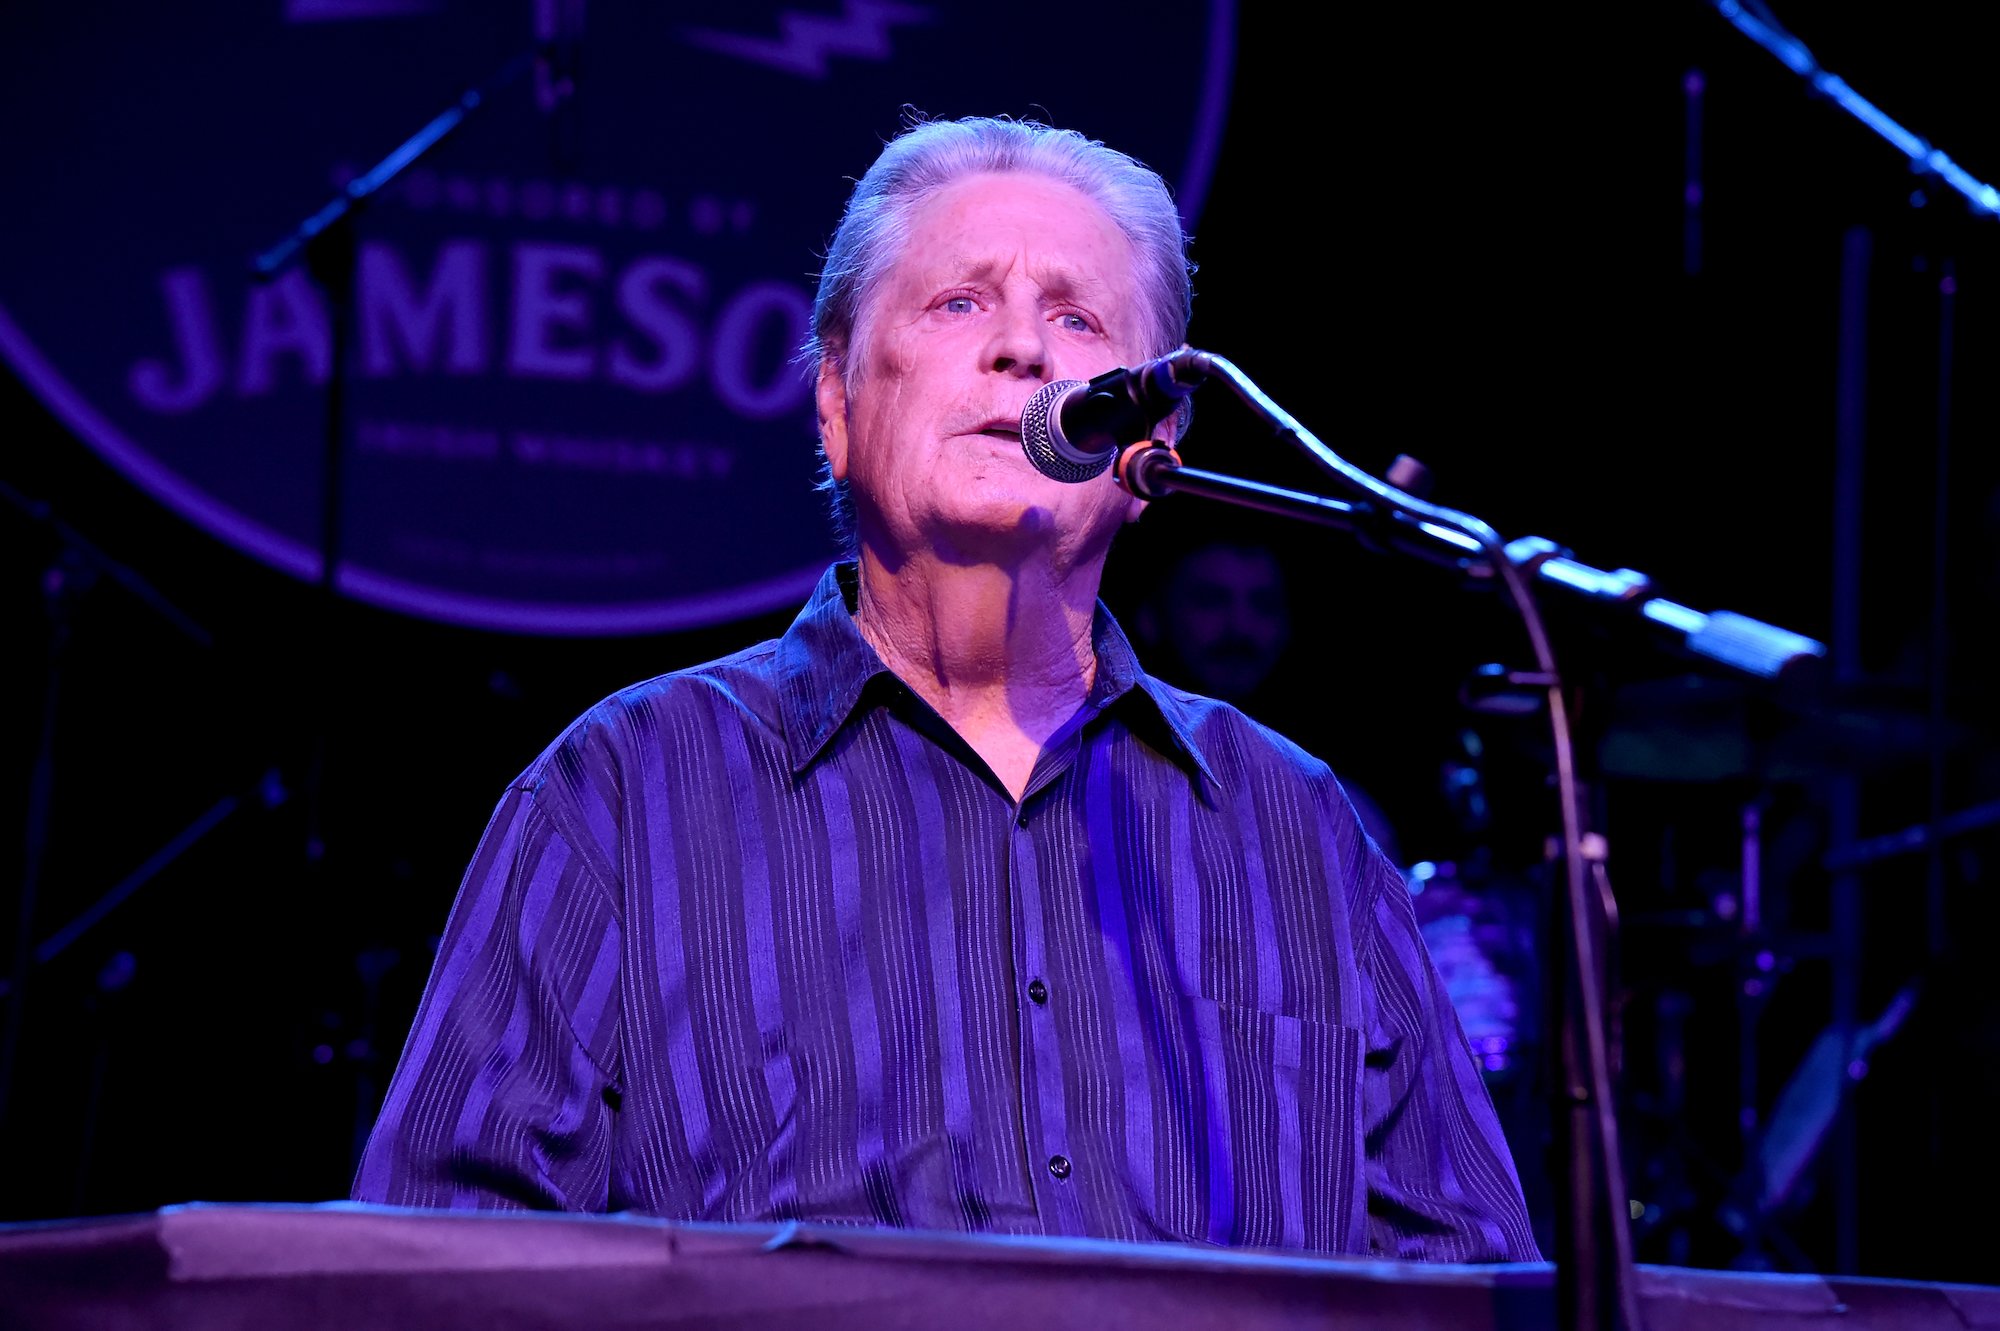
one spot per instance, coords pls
(1038, 991)
(1021, 819)
(1059, 1166)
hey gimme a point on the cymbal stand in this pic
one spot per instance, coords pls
(70, 575)
(1935, 169)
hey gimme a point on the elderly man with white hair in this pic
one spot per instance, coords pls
(938, 911)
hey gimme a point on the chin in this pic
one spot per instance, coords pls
(996, 530)
(995, 500)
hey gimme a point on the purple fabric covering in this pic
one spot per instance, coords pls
(766, 940)
(322, 1268)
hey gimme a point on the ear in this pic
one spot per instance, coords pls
(830, 394)
(1135, 508)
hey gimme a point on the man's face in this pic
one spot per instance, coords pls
(1006, 282)
(1223, 613)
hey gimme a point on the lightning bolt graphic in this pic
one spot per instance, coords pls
(805, 41)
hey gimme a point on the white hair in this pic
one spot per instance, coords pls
(931, 155)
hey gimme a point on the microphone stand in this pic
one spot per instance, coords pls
(1754, 20)
(1595, 1283)
(1721, 637)
(326, 245)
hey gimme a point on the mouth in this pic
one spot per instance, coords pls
(1003, 436)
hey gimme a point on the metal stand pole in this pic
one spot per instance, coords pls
(72, 573)
(1844, 795)
(60, 588)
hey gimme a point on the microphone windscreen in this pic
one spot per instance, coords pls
(1042, 436)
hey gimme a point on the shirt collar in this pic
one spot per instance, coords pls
(825, 666)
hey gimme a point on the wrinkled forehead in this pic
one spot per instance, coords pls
(1061, 274)
(982, 227)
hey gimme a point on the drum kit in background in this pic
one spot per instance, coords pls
(1714, 794)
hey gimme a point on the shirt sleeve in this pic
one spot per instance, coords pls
(1441, 1181)
(505, 1094)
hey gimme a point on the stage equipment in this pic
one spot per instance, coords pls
(1595, 1281)
(338, 1266)
(327, 245)
(1934, 168)
(1924, 836)
(1701, 728)
(1806, 1112)
(1755, 21)
(1482, 932)
(1073, 430)
(78, 566)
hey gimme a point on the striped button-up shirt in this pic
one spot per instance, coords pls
(766, 939)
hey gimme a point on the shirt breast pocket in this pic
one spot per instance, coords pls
(1253, 1036)
(1283, 1100)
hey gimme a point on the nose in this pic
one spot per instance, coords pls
(1019, 343)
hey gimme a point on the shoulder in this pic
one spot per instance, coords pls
(602, 743)
(1249, 760)
(588, 785)
(1235, 746)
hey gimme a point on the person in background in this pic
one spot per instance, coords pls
(1217, 620)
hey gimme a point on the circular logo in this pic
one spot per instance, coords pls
(571, 401)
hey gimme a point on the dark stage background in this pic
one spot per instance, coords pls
(1462, 235)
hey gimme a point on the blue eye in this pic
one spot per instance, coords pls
(959, 305)
(1076, 323)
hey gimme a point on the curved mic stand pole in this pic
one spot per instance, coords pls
(1594, 1276)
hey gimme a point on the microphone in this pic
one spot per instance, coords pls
(1072, 430)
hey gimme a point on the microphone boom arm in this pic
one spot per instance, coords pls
(1737, 642)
